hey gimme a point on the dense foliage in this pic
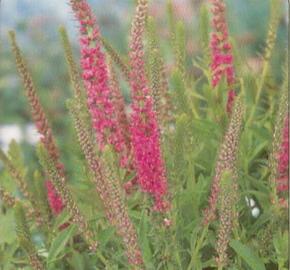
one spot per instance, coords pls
(192, 174)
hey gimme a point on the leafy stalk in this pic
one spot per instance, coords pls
(15, 174)
(227, 215)
(157, 76)
(226, 158)
(108, 188)
(24, 238)
(38, 114)
(280, 124)
(63, 190)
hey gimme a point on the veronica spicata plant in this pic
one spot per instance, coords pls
(192, 173)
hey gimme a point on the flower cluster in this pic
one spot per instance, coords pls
(283, 159)
(7, 198)
(38, 114)
(108, 189)
(221, 50)
(227, 215)
(96, 80)
(226, 159)
(144, 127)
(54, 200)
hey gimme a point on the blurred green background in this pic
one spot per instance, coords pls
(37, 22)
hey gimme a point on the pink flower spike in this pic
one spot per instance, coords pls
(148, 161)
(230, 101)
(54, 200)
(96, 80)
(221, 51)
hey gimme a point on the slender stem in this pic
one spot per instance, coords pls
(177, 256)
(176, 250)
(198, 246)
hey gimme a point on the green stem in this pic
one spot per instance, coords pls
(198, 247)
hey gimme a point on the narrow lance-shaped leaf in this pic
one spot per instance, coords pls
(248, 255)
(58, 244)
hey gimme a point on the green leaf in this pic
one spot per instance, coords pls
(59, 243)
(106, 235)
(7, 228)
(144, 242)
(257, 150)
(247, 255)
(280, 242)
(62, 218)
(77, 261)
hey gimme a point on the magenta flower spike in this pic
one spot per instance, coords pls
(55, 202)
(96, 80)
(145, 135)
(221, 51)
